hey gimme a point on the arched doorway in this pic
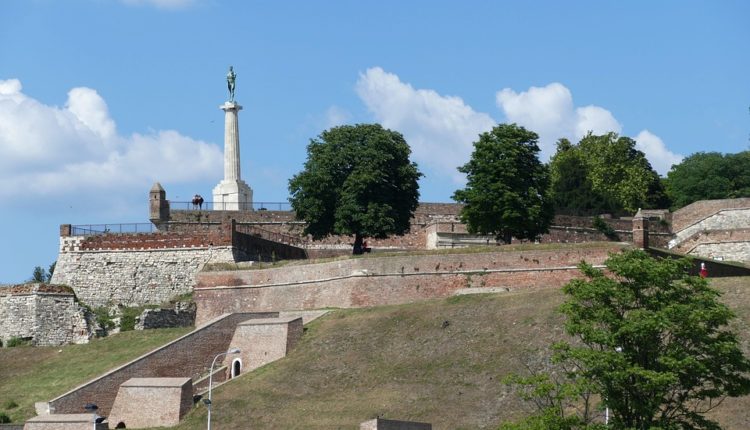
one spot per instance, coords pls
(236, 367)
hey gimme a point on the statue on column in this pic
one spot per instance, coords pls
(231, 77)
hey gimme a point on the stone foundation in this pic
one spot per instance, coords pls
(152, 402)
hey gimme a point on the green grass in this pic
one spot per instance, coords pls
(397, 362)
(33, 374)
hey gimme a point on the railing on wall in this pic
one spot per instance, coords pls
(95, 229)
(220, 206)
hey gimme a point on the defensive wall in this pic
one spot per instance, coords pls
(381, 280)
(188, 356)
(43, 314)
(135, 269)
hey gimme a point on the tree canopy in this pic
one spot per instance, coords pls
(604, 173)
(709, 175)
(357, 180)
(506, 194)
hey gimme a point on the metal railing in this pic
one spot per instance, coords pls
(225, 206)
(96, 229)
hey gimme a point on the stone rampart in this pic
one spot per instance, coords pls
(694, 212)
(133, 277)
(45, 314)
(723, 219)
(189, 356)
(373, 281)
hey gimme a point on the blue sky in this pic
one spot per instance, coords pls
(100, 98)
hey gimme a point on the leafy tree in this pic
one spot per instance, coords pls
(571, 188)
(709, 175)
(356, 180)
(506, 194)
(41, 275)
(615, 168)
(653, 342)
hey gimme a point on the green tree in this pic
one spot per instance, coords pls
(709, 175)
(652, 342)
(357, 180)
(506, 193)
(615, 168)
(571, 188)
(41, 275)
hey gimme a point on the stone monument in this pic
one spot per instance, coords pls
(232, 193)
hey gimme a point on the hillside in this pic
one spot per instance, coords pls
(34, 374)
(439, 361)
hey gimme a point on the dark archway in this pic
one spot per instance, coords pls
(236, 367)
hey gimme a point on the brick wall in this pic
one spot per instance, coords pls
(372, 281)
(188, 356)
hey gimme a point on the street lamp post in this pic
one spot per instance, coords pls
(92, 407)
(210, 381)
(606, 410)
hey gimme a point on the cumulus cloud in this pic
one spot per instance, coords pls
(658, 155)
(550, 112)
(440, 129)
(76, 150)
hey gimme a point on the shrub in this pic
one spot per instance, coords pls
(10, 404)
(605, 229)
(17, 341)
(4, 418)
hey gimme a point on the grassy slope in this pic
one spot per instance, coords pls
(352, 365)
(398, 362)
(33, 374)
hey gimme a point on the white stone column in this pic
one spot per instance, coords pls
(232, 193)
(231, 141)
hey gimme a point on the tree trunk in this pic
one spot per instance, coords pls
(358, 244)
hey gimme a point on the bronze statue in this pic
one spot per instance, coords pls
(231, 76)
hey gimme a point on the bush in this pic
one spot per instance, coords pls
(103, 318)
(10, 404)
(17, 341)
(4, 418)
(605, 229)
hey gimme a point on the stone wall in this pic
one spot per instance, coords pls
(183, 315)
(694, 212)
(132, 277)
(45, 314)
(724, 219)
(372, 281)
(189, 356)
(152, 402)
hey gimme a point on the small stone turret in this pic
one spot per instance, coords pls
(158, 204)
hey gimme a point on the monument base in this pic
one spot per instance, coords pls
(232, 196)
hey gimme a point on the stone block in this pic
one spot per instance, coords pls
(152, 402)
(64, 422)
(381, 424)
(262, 341)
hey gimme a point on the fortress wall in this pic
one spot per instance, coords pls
(48, 315)
(188, 356)
(733, 251)
(724, 219)
(132, 277)
(373, 281)
(694, 212)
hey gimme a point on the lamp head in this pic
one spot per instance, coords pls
(233, 351)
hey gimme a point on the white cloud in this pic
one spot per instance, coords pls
(336, 116)
(658, 155)
(76, 150)
(440, 129)
(161, 4)
(550, 112)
